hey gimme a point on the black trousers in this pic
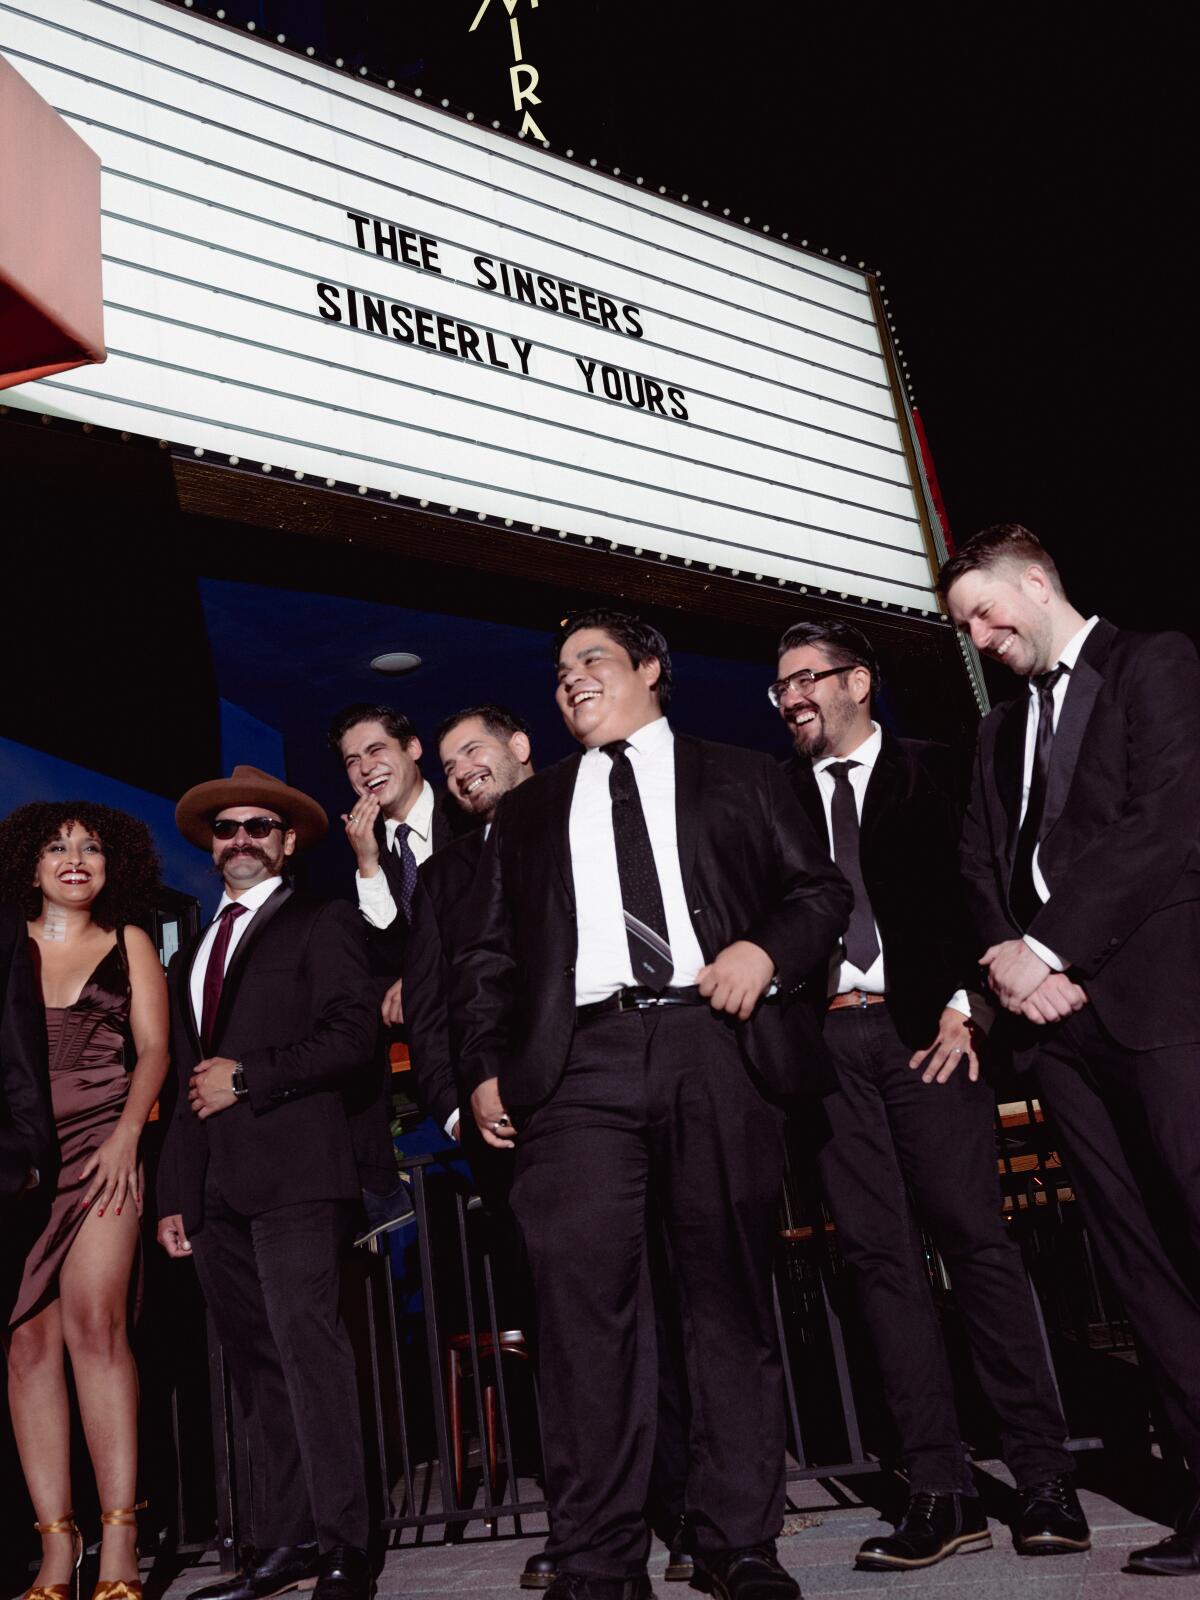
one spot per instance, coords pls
(655, 1109)
(272, 1285)
(1129, 1125)
(893, 1137)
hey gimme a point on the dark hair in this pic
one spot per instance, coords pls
(1006, 541)
(131, 861)
(496, 719)
(638, 639)
(841, 643)
(394, 722)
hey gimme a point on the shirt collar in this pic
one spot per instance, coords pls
(253, 898)
(1069, 655)
(651, 737)
(866, 755)
(419, 818)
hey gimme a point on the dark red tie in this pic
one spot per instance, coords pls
(214, 973)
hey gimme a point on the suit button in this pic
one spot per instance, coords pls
(1112, 942)
(568, 972)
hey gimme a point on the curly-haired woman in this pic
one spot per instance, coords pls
(86, 875)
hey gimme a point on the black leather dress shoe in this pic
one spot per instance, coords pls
(264, 1573)
(1050, 1521)
(933, 1527)
(681, 1566)
(1173, 1557)
(344, 1573)
(574, 1586)
(750, 1574)
(538, 1572)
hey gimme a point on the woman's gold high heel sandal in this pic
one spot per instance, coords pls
(120, 1588)
(59, 1591)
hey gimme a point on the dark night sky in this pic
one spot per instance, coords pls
(1022, 177)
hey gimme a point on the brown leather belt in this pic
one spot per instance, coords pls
(858, 998)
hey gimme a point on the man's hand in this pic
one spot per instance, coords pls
(172, 1237)
(360, 831)
(737, 980)
(210, 1088)
(1014, 972)
(392, 1006)
(955, 1043)
(1054, 999)
(490, 1116)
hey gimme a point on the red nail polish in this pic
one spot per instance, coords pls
(99, 1213)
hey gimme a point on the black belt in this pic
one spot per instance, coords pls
(634, 998)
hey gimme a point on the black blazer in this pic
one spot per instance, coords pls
(1120, 849)
(752, 869)
(386, 946)
(296, 1011)
(27, 1135)
(908, 848)
(439, 919)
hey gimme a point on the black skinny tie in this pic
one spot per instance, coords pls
(1022, 895)
(641, 892)
(860, 940)
(408, 869)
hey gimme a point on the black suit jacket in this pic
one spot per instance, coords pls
(439, 920)
(386, 946)
(296, 1010)
(1120, 848)
(752, 869)
(908, 849)
(27, 1135)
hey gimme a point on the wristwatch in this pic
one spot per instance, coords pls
(238, 1083)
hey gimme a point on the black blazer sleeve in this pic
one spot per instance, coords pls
(427, 1011)
(978, 857)
(27, 1136)
(342, 1040)
(481, 981)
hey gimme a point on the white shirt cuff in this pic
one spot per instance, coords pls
(973, 1006)
(375, 900)
(1047, 956)
(450, 1124)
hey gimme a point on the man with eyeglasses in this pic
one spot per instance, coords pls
(272, 1026)
(912, 1116)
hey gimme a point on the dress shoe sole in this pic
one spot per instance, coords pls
(1144, 1570)
(536, 1580)
(286, 1588)
(679, 1572)
(1051, 1544)
(708, 1583)
(963, 1545)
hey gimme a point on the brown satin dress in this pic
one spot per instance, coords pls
(88, 1088)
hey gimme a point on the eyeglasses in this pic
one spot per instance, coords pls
(802, 681)
(256, 827)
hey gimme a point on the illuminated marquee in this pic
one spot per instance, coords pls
(304, 270)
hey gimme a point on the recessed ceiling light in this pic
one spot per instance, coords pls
(395, 663)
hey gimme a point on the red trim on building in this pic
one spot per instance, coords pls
(935, 489)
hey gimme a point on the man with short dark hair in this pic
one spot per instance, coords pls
(279, 1107)
(628, 1010)
(28, 1142)
(1081, 853)
(912, 1115)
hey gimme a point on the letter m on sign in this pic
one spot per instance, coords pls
(509, 5)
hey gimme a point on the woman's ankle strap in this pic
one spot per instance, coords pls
(123, 1517)
(59, 1525)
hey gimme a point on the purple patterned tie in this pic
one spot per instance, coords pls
(408, 870)
(214, 973)
(641, 892)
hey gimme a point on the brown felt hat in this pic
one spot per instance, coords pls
(247, 786)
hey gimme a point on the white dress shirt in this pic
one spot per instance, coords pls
(602, 963)
(1068, 658)
(843, 974)
(251, 900)
(374, 896)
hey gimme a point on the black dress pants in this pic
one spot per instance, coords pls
(1129, 1125)
(655, 1109)
(893, 1136)
(271, 1282)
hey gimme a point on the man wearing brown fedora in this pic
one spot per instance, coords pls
(272, 1028)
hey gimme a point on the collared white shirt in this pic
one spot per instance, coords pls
(251, 900)
(374, 896)
(602, 963)
(843, 974)
(1068, 658)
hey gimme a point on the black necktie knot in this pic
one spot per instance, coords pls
(1044, 682)
(841, 770)
(615, 748)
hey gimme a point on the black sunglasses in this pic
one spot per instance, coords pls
(804, 679)
(256, 827)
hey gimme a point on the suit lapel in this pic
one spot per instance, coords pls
(1083, 685)
(187, 961)
(1008, 766)
(561, 782)
(887, 777)
(689, 803)
(241, 955)
(804, 781)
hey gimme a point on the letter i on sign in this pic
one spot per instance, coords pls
(523, 76)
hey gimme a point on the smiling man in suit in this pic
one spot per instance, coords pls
(912, 1115)
(628, 1013)
(1081, 853)
(272, 1026)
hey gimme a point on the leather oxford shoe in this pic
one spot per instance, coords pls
(344, 1573)
(1050, 1520)
(1173, 1557)
(538, 1572)
(264, 1573)
(933, 1527)
(750, 1574)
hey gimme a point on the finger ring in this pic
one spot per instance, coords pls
(958, 1050)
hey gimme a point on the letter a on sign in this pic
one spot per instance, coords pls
(509, 5)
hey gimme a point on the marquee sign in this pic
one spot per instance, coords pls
(303, 269)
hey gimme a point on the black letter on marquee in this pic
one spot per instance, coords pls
(329, 308)
(587, 368)
(678, 408)
(483, 266)
(632, 326)
(360, 224)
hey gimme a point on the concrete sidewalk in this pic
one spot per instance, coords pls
(818, 1548)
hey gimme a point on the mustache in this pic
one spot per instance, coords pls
(254, 850)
